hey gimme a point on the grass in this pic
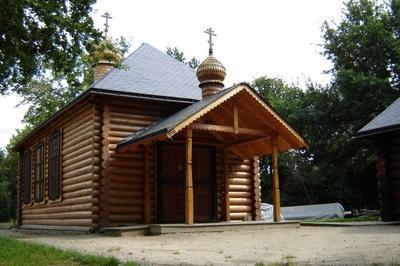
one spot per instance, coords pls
(363, 218)
(16, 253)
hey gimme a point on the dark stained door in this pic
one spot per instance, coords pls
(171, 183)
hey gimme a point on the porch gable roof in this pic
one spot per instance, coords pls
(175, 123)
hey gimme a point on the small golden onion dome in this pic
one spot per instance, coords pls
(211, 71)
(106, 52)
(105, 57)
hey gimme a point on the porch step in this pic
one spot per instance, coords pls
(159, 229)
(132, 230)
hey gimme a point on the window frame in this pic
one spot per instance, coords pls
(27, 165)
(39, 173)
(57, 158)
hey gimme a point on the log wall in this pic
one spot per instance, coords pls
(78, 205)
(123, 173)
(388, 170)
(103, 187)
(243, 184)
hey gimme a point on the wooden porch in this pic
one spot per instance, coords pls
(235, 121)
(161, 229)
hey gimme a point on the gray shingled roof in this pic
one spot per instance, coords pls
(388, 120)
(152, 72)
(167, 124)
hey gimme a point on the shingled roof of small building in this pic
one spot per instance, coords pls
(148, 71)
(388, 120)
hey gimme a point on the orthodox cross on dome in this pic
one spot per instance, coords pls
(107, 17)
(211, 33)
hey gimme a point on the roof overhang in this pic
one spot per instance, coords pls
(237, 116)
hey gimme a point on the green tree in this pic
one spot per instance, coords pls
(45, 96)
(364, 48)
(40, 35)
(4, 190)
(178, 55)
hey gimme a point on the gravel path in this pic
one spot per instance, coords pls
(305, 245)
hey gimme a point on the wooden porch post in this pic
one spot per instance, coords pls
(276, 197)
(189, 178)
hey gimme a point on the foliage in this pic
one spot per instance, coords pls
(14, 252)
(178, 55)
(326, 171)
(46, 96)
(4, 192)
(40, 35)
(365, 51)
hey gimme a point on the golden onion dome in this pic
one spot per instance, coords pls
(211, 71)
(106, 52)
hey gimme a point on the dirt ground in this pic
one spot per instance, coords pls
(304, 245)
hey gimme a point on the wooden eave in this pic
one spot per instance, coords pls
(240, 120)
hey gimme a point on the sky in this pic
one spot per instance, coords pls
(279, 38)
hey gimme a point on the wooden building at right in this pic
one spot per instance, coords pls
(385, 131)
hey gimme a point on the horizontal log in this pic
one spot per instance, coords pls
(125, 163)
(120, 134)
(65, 215)
(115, 120)
(91, 154)
(125, 209)
(127, 171)
(126, 201)
(241, 168)
(239, 174)
(123, 187)
(126, 180)
(60, 209)
(79, 164)
(239, 215)
(240, 188)
(78, 140)
(240, 201)
(78, 179)
(126, 218)
(118, 115)
(78, 172)
(78, 118)
(82, 128)
(75, 153)
(78, 146)
(240, 181)
(240, 194)
(78, 186)
(70, 222)
(78, 193)
(123, 128)
(240, 208)
(137, 155)
(130, 193)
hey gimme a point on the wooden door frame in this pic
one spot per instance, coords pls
(159, 182)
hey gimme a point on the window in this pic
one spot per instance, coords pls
(26, 175)
(54, 166)
(39, 172)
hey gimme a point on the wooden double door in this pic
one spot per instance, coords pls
(171, 183)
